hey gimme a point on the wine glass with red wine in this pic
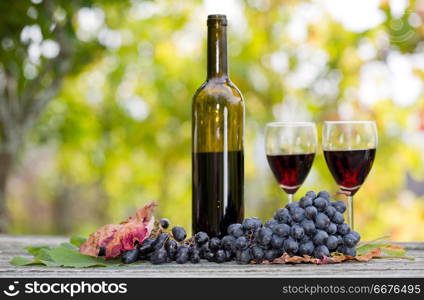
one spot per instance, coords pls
(290, 150)
(349, 150)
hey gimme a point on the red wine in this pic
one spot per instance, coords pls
(291, 170)
(350, 167)
(218, 190)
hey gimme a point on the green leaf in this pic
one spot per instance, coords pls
(71, 258)
(77, 240)
(35, 250)
(70, 246)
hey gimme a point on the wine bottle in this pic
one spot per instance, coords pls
(217, 141)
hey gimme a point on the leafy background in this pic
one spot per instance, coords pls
(115, 130)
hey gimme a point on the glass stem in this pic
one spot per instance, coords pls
(290, 196)
(350, 211)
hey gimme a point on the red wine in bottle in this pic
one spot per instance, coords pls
(217, 141)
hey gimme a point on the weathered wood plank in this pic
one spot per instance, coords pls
(12, 245)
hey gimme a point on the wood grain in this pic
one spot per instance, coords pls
(12, 245)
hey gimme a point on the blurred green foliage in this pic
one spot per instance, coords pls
(118, 133)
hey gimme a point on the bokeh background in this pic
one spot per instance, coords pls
(95, 104)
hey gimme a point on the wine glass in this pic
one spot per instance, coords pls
(349, 150)
(290, 150)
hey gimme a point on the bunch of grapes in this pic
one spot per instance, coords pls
(314, 226)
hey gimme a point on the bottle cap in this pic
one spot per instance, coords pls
(217, 19)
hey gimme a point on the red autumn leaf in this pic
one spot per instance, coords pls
(118, 237)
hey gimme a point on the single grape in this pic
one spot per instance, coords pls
(244, 256)
(332, 242)
(305, 202)
(349, 240)
(297, 232)
(298, 214)
(164, 223)
(220, 256)
(282, 216)
(159, 256)
(322, 221)
(324, 194)
(270, 254)
(311, 194)
(351, 251)
(332, 228)
(305, 239)
(321, 204)
(251, 224)
(236, 230)
(291, 246)
(241, 243)
(264, 236)
(160, 241)
(227, 242)
(228, 255)
(292, 206)
(276, 241)
(311, 212)
(308, 227)
(209, 256)
(146, 247)
(306, 248)
(343, 229)
(271, 223)
(320, 238)
(340, 206)
(201, 237)
(214, 244)
(339, 239)
(282, 230)
(171, 247)
(330, 211)
(195, 258)
(130, 256)
(179, 233)
(321, 251)
(257, 253)
(338, 218)
(356, 235)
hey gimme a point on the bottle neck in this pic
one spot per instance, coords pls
(217, 50)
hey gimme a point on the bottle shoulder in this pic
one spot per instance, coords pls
(218, 88)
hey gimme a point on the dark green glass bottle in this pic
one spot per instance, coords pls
(217, 145)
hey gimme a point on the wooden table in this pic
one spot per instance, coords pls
(12, 245)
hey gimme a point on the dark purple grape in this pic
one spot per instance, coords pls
(338, 218)
(297, 232)
(324, 194)
(264, 236)
(130, 256)
(220, 256)
(241, 243)
(271, 223)
(236, 230)
(201, 237)
(292, 206)
(160, 241)
(159, 256)
(270, 254)
(291, 246)
(298, 214)
(322, 221)
(308, 227)
(257, 253)
(214, 244)
(320, 238)
(351, 251)
(330, 211)
(243, 256)
(321, 204)
(164, 223)
(311, 194)
(332, 228)
(171, 247)
(332, 242)
(349, 240)
(282, 216)
(227, 242)
(356, 235)
(305, 202)
(179, 233)
(343, 229)
(340, 206)
(311, 212)
(321, 251)
(282, 230)
(251, 224)
(306, 248)
(277, 242)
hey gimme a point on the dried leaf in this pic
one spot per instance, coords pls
(123, 236)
